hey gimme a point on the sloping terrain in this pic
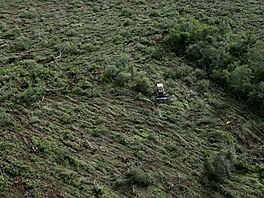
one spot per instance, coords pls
(67, 129)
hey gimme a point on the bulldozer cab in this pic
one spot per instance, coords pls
(160, 92)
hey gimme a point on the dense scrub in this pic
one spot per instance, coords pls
(235, 61)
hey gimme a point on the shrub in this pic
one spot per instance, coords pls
(110, 74)
(31, 184)
(188, 32)
(126, 12)
(122, 78)
(97, 132)
(29, 14)
(22, 43)
(68, 176)
(42, 145)
(138, 177)
(142, 84)
(220, 165)
(89, 47)
(32, 94)
(6, 120)
(256, 96)
(240, 80)
(239, 48)
(259, 74)
(203, 86)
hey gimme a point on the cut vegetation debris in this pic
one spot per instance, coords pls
(77, 117)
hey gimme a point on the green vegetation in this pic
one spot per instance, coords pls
(233, 60)
(77, 114)
(220, 165)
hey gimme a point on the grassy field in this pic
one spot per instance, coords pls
(77, 115)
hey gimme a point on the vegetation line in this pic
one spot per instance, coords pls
(236, 62)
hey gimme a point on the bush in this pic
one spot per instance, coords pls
(126, 12)
(22, 43)
(256, 97)
(220, 165)
(42, 145)
(203, 86)
(125, 74)
(259, 74)
(138, 177)
(6, 120)
(240, 80)
(32, 94)
(239, 48)
(142, 84)
(110, 74)
(89, 47)
(122, 78)
(188, 32)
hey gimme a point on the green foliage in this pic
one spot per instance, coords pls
(232, 60)
(185, 33)
(68, 47)
(97, 192)
(220, 165)
(68, 135)
(122, 78)
(13, 33)
(256, 96)
(125, 75)
(179, 72)
(42, 145)
(18, 168)
(29, 14)
(110, 73)
(97, 132)
(3, 183)
(203, 86)
(219, 136)
(31, 184)
(142, 84)
(22, 43)
(126, 12)
(68, 176)
(259, 73)
(138, 177)
(89, 47)
(32, 94)
(240, 80)
(5, 120)
(239, 48)
(66, 159)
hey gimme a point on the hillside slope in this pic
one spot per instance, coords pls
(67, 129)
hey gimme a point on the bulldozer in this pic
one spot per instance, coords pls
(160, 92)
